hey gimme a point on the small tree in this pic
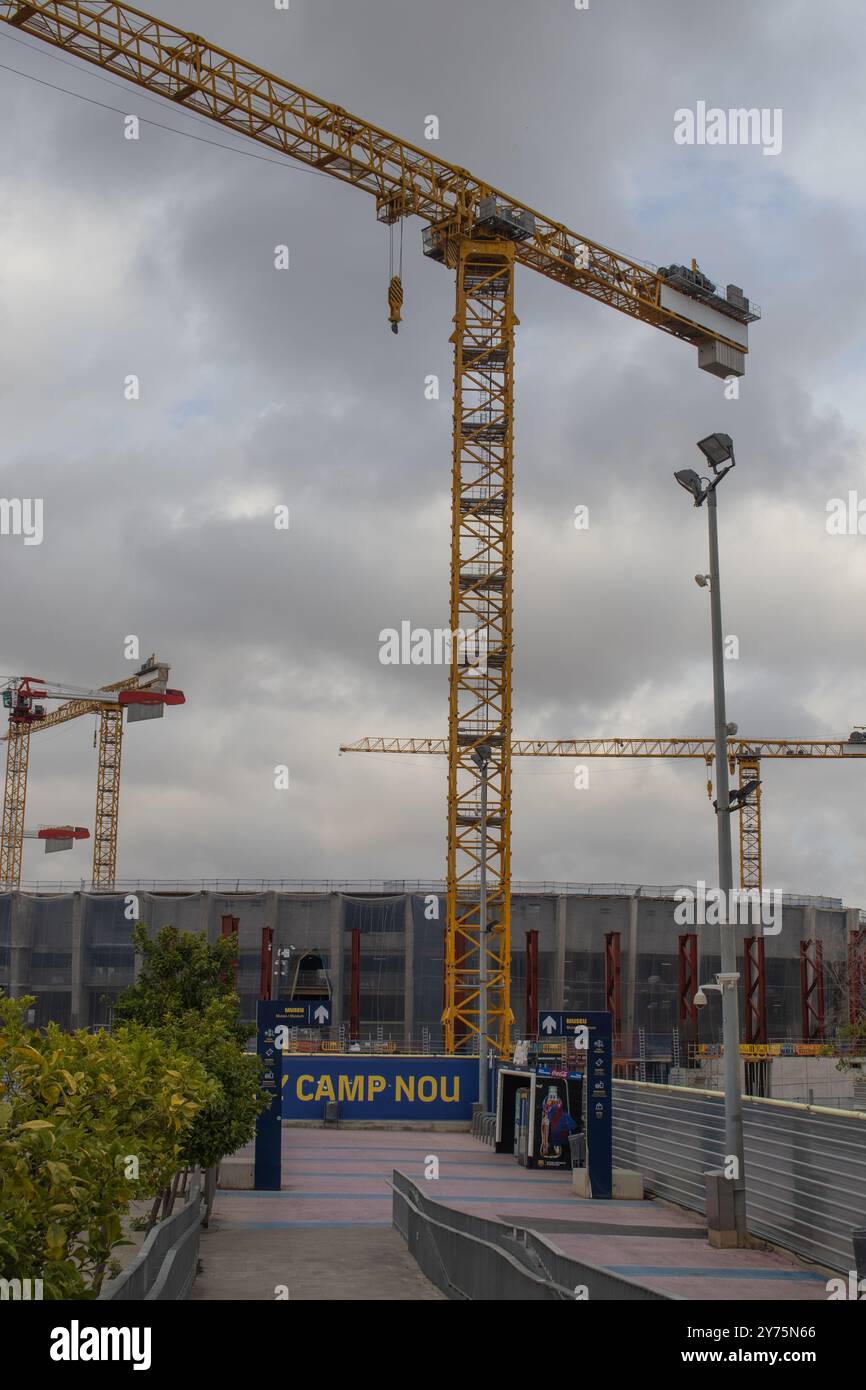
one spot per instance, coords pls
(228, 1121)
(855, 1034)
(182, 971)
(186, 992)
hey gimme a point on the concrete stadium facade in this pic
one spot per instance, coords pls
(73, 950)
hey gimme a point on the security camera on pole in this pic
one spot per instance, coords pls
(718, 450)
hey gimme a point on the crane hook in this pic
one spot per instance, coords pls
(395, 302)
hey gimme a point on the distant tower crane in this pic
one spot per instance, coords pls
(743, 754)
(142, 695)
(481, 235)
(57, 837)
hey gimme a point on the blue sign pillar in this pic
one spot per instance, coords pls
(599, 1101)
(268, 1159)
(591, 1033)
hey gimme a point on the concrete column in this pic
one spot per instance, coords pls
(205, 914)
(19, 947)
(271, 911)
(558, 1001)
(337, 933)
(144, 916)
(629, 1022)
(78, 1005)
(409, 971)
(810, 919)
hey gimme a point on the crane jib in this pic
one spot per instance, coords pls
(405, 179)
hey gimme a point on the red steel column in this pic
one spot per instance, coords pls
(613, 983)
(687, 982)
(812, 988)
(229, 927)
(754, 990)
(355, 986)
(267, 961)
(532, 985)
(856, 974)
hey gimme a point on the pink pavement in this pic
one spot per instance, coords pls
(340, 1178)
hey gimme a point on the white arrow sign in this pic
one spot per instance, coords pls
(321, 1015)
(581, 1039)
(549, 1025)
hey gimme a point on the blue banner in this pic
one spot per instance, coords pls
(380, 1088)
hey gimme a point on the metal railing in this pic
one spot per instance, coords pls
(330, 1040)
(805, 1165)
(658, 1051)
(165, 1266)
(472, 1259)
(384, 886)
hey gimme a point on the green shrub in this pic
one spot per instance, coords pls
(185, 991)
(88, 1122)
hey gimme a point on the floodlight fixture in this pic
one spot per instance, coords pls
(717, 449)
(693, 483)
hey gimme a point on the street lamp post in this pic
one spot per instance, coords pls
(718, 449)
(481, 758)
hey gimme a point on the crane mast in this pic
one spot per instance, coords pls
(479, 710)
(481, 234)
(14, 802)
(751, 851)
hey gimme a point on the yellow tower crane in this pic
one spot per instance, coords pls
(744, 755)
(152, 676)
(481, 235)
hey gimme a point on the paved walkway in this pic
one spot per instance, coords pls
(306, 1243)
(327, 1234)
(267, 1260)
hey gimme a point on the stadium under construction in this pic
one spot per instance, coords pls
(378, 951)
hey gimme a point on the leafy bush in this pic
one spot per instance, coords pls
(88, 1122)
(181, 971)
(186, 992)
(228, 1121)
(853, 1037)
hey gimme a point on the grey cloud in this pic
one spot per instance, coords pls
(156, 258)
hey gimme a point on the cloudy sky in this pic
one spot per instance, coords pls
(258, 387)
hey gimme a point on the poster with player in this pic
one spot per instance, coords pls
(557, 1117)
